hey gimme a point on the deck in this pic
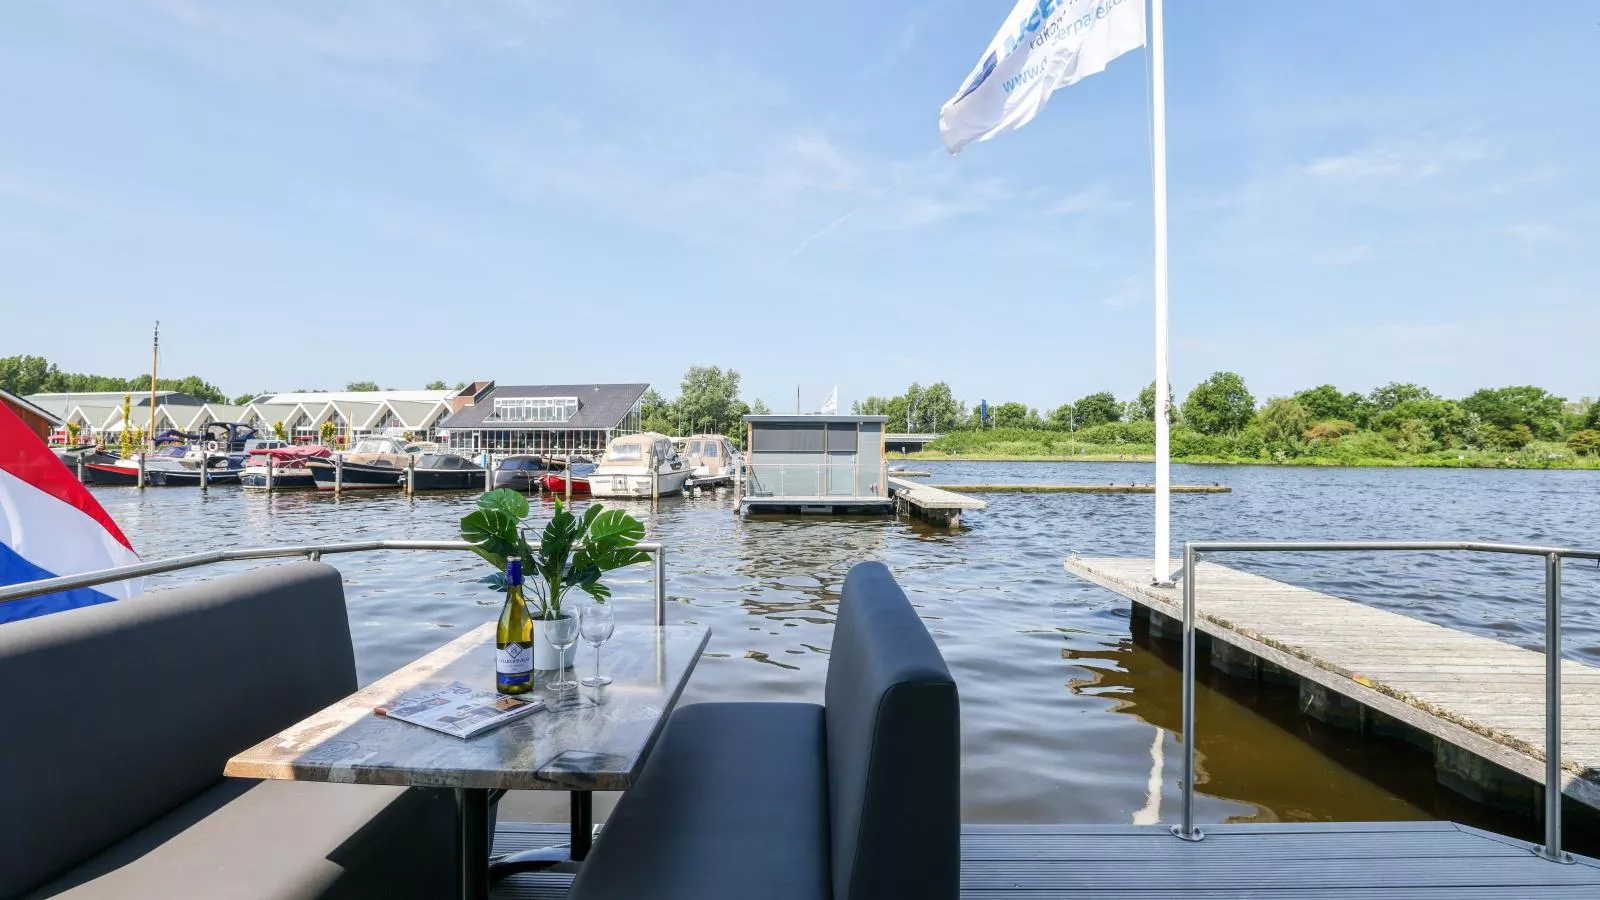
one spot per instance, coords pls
(1476, 694)
(933, 504)
(1306, 861)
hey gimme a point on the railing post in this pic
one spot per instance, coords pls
(1186, 830)
(1552, 711)
(661, 584)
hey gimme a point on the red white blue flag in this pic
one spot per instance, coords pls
(50, 525)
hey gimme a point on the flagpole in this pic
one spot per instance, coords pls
(1161, 573)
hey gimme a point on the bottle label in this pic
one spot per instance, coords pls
(513, 664)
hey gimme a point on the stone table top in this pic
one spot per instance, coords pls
(589, 739)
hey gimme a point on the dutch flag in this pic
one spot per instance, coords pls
(50, 525)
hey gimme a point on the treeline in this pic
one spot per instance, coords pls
(1221, 419)
(22, 375)
(707, 403)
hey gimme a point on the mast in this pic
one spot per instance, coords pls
(155, 344)
(1161, 572)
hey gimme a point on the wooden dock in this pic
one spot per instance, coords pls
(1478, 701)
(931, 503)
(1027, 488)
(1304, 861)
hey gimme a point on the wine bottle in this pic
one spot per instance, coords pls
(513, 638)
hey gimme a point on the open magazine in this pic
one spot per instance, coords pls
(459, 709)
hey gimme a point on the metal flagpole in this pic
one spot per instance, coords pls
(1161, 572)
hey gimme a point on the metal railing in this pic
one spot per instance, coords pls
(313, 552)
(1552, 651)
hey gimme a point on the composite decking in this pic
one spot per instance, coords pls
(1313, 861)
(1484, 696)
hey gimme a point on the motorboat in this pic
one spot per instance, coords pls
(522, 472)
(712, 458)
(640, 466)
(174, 466)
(556, 482)
(78, 459)
(289, 469)
(374, 463)
(446, 472)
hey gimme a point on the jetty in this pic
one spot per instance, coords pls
(1477, 703)
(930, 503)
(1109, 488)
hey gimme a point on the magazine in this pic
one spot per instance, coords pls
(459, 709)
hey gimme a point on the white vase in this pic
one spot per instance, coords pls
(545, 657)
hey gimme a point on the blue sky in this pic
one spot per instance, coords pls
(310, 193)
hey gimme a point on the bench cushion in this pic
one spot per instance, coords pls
(129, 709)
(894, 748)
(732, 803)
(280, 840)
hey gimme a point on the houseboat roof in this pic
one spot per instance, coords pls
(781, 418)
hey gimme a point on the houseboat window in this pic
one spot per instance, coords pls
(625, 452)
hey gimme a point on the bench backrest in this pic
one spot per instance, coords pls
(114, 714)
(894, 749)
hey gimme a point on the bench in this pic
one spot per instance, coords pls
(856, 799)
(120, 717)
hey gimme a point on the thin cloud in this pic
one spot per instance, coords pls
(1091, 200)
(1539, 234)
(1351, 255)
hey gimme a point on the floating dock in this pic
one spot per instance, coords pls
(1027, 488)
(1478, 703)
(932, 504)
(1292, 861)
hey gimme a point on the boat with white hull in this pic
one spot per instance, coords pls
(640, 466)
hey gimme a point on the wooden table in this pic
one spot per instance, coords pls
(591, 739)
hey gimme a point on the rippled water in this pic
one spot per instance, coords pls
(1066, 711)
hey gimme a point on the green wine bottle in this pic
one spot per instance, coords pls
(513, 638)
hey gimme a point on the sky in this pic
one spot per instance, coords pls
(549, 191)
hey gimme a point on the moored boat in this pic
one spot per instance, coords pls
(521, 473)
(556, 482)
(289, 469)
(640, 466)
(446, 472)
(375, 463)
(711, 457)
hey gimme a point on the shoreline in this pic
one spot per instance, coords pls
(1567, 465)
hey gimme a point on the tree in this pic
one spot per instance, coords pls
(23, 375)
(1219, 405)
(437, 385)
(1284, 420)
(1385, 398)
(760, 408)
(1514, 438)
(871, 406)
(1144, 408)
(1508, 407)
(1098, 409)
(938, 410)
(655, 413)
(1584, 442)
(126, 444)
(1329, 430)
(361, 386)
(247, 399)
(1325, 402)
(1439, 424)
(278, 431)
(72, 433)
(1015, 415)
(327, 431)
(707, 398)
(1064, 418)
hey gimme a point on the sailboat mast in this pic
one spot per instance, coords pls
(155, 344)
(1162, 572)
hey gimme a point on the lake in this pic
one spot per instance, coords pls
(1067, 713)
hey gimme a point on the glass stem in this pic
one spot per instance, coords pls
(596, 662)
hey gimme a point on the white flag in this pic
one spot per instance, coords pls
(1044, 45)
(831, 405)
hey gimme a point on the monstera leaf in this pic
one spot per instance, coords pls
(573, 551)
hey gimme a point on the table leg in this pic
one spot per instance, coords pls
(472, 843)
(582, 827)
(580, 838)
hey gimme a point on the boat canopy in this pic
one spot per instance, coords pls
(639, 448)
(292, 454)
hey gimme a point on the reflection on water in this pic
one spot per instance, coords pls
(1068, 712)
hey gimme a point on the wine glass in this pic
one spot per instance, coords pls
(561, 630)
(598, 623)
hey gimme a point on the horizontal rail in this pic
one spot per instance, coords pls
(1552, 557)
(657, 551)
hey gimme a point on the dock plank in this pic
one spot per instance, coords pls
(1317, 860)
(1483, 695)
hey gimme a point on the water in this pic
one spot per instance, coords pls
(1067, 713)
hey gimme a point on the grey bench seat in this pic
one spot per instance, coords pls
(126, 714)
(857, 799)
